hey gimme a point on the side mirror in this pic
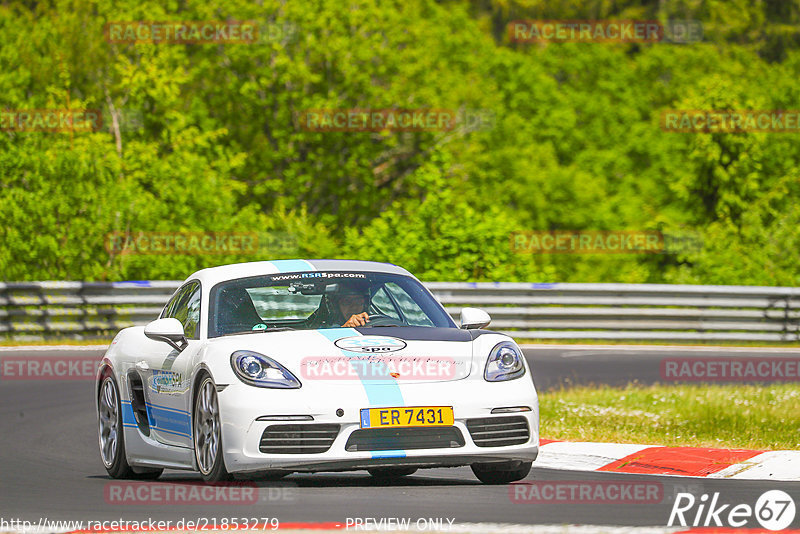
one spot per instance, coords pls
(474, 318)
(168, 330)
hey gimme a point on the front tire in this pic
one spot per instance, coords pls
(501, 473)
(208, 433)
(112, 436)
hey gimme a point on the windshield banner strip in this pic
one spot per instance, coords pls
(291, 266)
(379, 395)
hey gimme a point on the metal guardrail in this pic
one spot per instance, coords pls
(40, 310)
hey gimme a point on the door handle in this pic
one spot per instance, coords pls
(142, 365)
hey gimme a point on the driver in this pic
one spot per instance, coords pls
(353, 304)
(346, 307)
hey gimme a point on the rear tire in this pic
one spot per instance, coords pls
(112, 436)
(208, 433)
(501, 472)
(386, 473)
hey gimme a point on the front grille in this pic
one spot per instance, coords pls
(298, 439)
(387, 439)
(499, 431)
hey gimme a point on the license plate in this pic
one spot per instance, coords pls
(407, 416)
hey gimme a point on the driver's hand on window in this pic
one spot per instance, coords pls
(359, 319)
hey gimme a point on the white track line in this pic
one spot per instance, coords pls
(772, 465)
(578, 456)
(586, 456)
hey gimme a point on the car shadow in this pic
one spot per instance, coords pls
(314, 480)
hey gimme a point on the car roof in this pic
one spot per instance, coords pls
(213, 275)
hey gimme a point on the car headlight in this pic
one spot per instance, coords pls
(504, 363)
(258, 370)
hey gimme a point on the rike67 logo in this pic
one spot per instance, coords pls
(774, 510)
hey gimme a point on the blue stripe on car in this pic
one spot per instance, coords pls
(160, 418)
(128, 418)
(169, 420)
(292, 266)
(385, 393)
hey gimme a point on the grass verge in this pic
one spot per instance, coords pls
(720, 416)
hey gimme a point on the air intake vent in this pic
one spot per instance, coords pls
(298, 439)
(138, 402)
(387, 439)
(499, 431)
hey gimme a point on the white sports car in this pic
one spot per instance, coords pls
(267, 368)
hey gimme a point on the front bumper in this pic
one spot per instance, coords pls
(241, 405)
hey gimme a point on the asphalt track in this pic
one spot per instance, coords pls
(50, 467)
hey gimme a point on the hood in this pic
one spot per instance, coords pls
(378, 354)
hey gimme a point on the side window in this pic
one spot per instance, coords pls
(169, 309)
(185, 307)
(191, 326)
(412, 312)
(383, 304)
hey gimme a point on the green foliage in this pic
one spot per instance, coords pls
(206, 138)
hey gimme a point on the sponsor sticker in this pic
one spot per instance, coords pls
(168, 382)
(370, 344)
(316, 274)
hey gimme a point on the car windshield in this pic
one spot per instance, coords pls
(313, 300)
